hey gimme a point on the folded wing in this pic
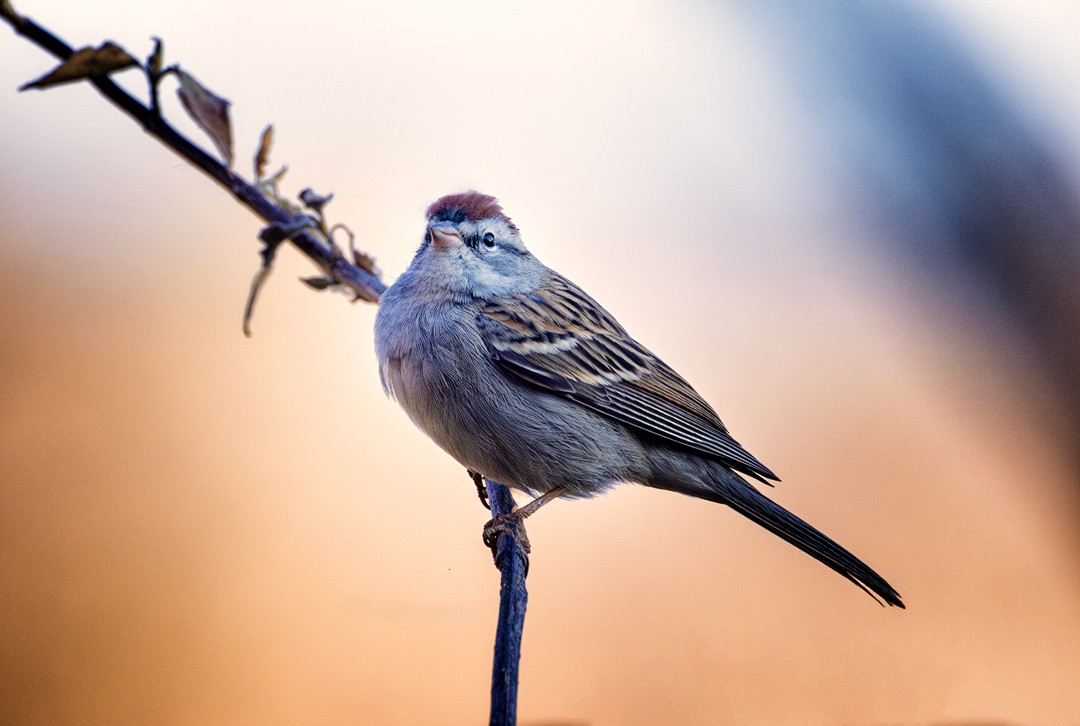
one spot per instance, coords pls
(561, 340)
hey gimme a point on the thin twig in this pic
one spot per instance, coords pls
(513, 598)
(366, 286)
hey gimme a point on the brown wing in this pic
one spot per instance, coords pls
(563, 341)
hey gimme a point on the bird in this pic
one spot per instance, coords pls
(522, 377)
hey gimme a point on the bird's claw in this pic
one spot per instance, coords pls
(510, 524)
(481, 488)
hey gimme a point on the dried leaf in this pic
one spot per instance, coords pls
(269, 187)
(366, 262)
(85, 63)
(256, 285)
(153, 63)
(272, 235)
(319, 283)
(361, 259)
(314, 201)
(209, 111)
(278, 175)
(263, 154)
(277, 232)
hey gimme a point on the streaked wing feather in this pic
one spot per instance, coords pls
(521, 366)
(681, 427)
(565, 342)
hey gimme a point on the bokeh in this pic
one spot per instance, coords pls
(852, 227)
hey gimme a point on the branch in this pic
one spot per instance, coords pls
(513, 598)
(365, 285)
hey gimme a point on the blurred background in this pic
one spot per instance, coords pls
(852, 226)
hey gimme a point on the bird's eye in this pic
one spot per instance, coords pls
(489, 240)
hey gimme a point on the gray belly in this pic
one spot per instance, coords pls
(520, 436)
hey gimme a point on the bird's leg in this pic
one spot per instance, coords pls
(481, 488)
(529, 509)
(512, 523)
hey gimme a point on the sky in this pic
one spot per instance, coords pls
(198, 527)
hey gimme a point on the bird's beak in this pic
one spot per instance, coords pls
(444, 235)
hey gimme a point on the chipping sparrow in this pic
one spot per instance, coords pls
(519, 375)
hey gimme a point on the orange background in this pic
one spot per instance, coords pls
(200, 528)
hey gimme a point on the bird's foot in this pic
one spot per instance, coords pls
(512, 525)
(481, 488)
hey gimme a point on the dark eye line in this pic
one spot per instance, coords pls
(487, 240)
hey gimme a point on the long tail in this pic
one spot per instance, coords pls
(754, 505)
(726, 487)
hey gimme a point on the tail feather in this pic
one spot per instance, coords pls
(716, 482)
(755, 506)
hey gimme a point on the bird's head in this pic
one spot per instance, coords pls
(472, 248)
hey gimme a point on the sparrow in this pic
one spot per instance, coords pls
(520, 375)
